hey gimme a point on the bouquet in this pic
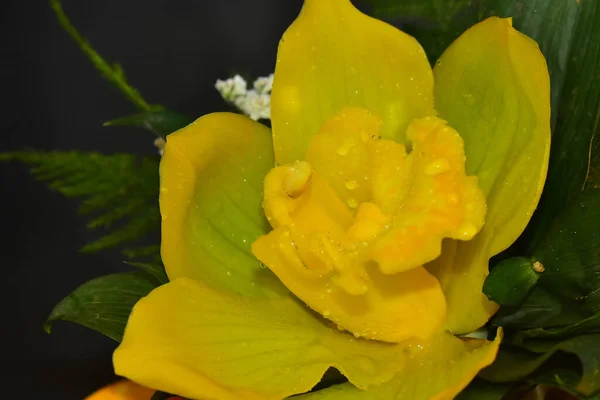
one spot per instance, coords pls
(407, 208)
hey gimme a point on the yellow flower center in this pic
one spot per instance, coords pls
(354, 224)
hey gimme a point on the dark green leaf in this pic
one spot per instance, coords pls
(578, 121)
(151, 252)
(481, 390)
(121, 190)
(587, 325)
(161, 123)
(539, 309)
(113, 73)
(156, 270)
(571, 254)
(517, 364)
(568, 291)
(104, 304)
(511, 280)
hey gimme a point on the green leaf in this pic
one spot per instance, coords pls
(516, 364)
(587, 325)
(104, 304)
(482, 390)
(154, 269)
(147, 252)
(113, 73)
(568, 291)
(161, 123)
(511, 280)
(578, 121)
(539, 309)
(120, 190)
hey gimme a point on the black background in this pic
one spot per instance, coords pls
(172, 51)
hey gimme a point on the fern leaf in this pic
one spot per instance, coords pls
(120, 190)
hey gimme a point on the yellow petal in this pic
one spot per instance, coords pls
(333, 56)
(438, 372)
(492, 85)
(199, 343)
(210, 202)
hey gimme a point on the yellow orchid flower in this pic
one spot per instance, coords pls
(366, 246)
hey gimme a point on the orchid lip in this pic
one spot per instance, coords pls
(362, 204)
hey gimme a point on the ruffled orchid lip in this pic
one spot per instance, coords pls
(355, 252)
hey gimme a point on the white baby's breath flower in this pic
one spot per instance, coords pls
(263, 85)
(232, 88)
(255, 103)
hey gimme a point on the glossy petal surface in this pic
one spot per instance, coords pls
(439, 371)
(210, 201)
(188, 339)
(350, 238)
(333, 56)
(492, 85)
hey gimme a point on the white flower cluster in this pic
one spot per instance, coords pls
(255, 103)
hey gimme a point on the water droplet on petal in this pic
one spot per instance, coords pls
(467, 231)
(351, 184)
(345, 147)
(352, 203)
(437, 166)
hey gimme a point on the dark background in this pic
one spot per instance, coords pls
(172, 51)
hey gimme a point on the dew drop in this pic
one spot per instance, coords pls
(351, 184)
(326, 313)
(352, 203)
(437, 166)
(467, 230)
(345, 147)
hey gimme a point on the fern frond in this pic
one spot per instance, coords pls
(120, 190)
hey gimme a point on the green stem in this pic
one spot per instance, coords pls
(113, 73)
